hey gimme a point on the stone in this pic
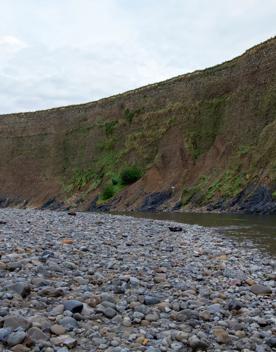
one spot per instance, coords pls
(271, 342)
(35, 334)
(65, 340)
(4, 311)
(73, 306)
(182, 336)
(67, 241)
(261, 290)
(134, 282)
(186, 314)
(22, 288)
(21, 348)
(235, 305)
(51, 292)
(168, 293)
(205, 315)
(151, 300)
(14, 322)
(59, 309)
(107, 297)
(16, 338)
(94, 301)
(68, 323)
(109, 312)
(72, 213)
(4, 333)
(215, 308)
(196, 344)
(58, 329)
(221, 335)
(175, 228)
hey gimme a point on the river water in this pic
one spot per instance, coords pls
(259, 229)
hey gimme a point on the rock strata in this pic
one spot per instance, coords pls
(94, 282)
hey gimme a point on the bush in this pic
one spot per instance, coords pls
(115, 181)
(129, 115)
(108, 192)
(130, 175)
(109, 127)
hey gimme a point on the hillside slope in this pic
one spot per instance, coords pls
(202, 140)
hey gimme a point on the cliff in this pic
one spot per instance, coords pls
(204, 140)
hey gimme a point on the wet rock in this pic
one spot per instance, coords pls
(175, 228)
(72, 213)
(154, 200)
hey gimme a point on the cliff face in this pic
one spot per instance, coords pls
(201, 140)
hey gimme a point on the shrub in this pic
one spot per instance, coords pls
(129, 115)
(109, 127)
(108, 192)
(81, 178)
(115, 181)
(130, 175)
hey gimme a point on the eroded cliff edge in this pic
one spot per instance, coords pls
(203, 140)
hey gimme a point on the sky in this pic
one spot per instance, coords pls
(63, 52)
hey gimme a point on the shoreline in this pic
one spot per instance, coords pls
(102, 282)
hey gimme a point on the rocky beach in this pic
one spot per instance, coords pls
(99, 282)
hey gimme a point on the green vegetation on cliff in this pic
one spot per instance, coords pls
(207, 135)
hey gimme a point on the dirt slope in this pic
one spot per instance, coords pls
(202, 140)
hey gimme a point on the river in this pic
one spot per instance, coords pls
(261, 230)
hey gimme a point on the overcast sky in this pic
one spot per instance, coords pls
(60, 52)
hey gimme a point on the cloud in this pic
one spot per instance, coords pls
(11, 44)
(73, 51)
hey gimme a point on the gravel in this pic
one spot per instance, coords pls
(98, 282)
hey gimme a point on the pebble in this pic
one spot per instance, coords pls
(261, 290)
(221, 335)
(98, 282)
(16, 338)
(35, 334)
(73, 306)
(58, 329)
